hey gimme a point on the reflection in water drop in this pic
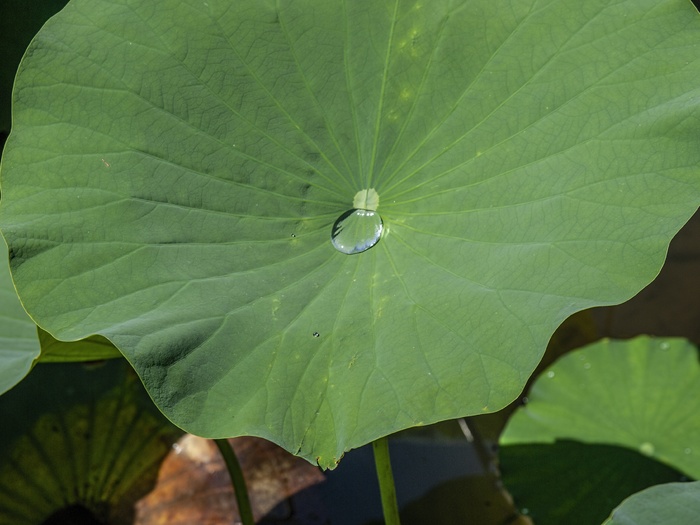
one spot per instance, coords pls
(356, 231)
(316, 334)
(366, 200)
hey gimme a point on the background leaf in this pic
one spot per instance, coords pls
(94, 348)
(677, 503)
(531, 160)
(594, 422)
(643, 394)
(79, 440)
(19, 344)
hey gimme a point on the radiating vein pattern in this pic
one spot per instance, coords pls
(184, 178)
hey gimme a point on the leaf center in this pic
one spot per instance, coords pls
(366, 200)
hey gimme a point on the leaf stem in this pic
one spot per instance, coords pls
(237, 481)
(387, 489)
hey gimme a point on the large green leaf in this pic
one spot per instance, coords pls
(175, 171)
(676, 503)
(602, 423)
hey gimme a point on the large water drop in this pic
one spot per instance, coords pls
(356, 231)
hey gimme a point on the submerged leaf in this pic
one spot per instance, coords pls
(78, 441)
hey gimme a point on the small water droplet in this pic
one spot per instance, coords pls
(550, 374)
(647, 448)
(356, 231)
(525, 511)
(664, 346)
(294, 235)
(586, 365)
(688, 451)
(316, 334)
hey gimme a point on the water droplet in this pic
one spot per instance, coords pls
(356, 231)
(294, 235)
(525, 511)
(647, 448)
(316, 334)
(550, 374)
(586, 365)
(688, 451)
(664, 346)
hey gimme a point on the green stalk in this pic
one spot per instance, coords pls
(387, 489)
(237, 481)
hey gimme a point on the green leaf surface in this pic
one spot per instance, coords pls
(642, 394)
(676, 503)
(175, 172)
